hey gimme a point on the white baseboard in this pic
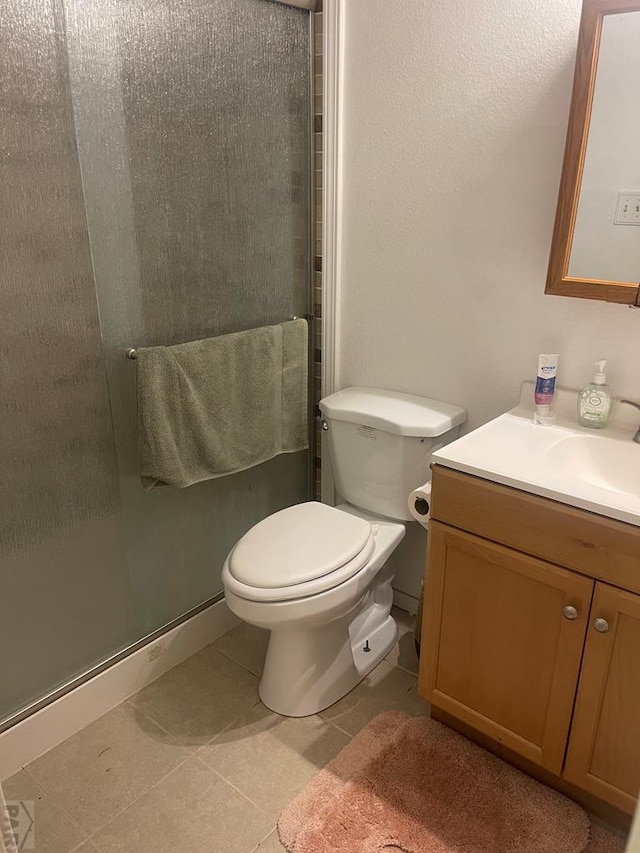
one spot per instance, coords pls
(405, 602)
(54, 723)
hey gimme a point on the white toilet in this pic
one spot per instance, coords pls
(315, 576)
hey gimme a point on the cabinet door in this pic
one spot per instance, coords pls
(501, 651)
(604, 749)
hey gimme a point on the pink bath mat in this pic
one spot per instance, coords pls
(410, 784)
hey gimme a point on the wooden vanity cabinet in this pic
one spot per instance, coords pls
(604, 744)
(510, 643)
(500, 656)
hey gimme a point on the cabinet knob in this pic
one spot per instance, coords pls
(601, 625)
(570, 612)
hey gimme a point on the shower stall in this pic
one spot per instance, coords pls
(155, 172)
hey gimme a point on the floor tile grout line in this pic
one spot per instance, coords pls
(136, 800)
(56, 802)
(153, 720)
(339, 728)
(192, 752)
(238, 791)
(190, 757)
(86, 841)
(59, 805)
(229, 725)
(237, 662)
(194, 747)
(122, 704)
(91, 835)
(273, 832)
(397, 663)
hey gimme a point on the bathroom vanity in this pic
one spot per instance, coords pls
(531, 628)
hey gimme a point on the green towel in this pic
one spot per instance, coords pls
(214, 407)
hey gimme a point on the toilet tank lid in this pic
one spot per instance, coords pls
(393, 411)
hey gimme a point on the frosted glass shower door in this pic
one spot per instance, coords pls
(192, 121)
(64, 588)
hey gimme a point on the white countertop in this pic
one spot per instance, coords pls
(595, 470)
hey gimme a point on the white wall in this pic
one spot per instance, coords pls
(602, 249)
(453, 131)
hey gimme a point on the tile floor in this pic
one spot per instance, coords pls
(194, 762)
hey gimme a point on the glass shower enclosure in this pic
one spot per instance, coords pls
(155, 166)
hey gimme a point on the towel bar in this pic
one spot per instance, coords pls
(132, 352)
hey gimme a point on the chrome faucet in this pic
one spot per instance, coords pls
(636, 437)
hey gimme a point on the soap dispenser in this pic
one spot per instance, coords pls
(595, 401)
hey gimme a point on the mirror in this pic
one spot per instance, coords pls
(595, 252)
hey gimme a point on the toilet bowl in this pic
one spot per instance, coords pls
(317, 577)
(327, 633)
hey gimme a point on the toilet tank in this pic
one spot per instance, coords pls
(380, 444)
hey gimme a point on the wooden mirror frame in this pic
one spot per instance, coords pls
(559, 282)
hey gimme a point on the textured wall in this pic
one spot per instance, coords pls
(454, 124)
(453, 142)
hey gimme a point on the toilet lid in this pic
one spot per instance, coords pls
(300, 544)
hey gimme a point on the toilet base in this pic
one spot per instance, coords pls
(322, 646)
(307, 668)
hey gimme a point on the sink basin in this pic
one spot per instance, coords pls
(598, 461)
(596, 470)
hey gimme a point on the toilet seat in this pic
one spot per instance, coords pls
(300, 551)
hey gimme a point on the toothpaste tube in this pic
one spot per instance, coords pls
(545, 387)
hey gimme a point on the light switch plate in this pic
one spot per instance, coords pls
(628, 209)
